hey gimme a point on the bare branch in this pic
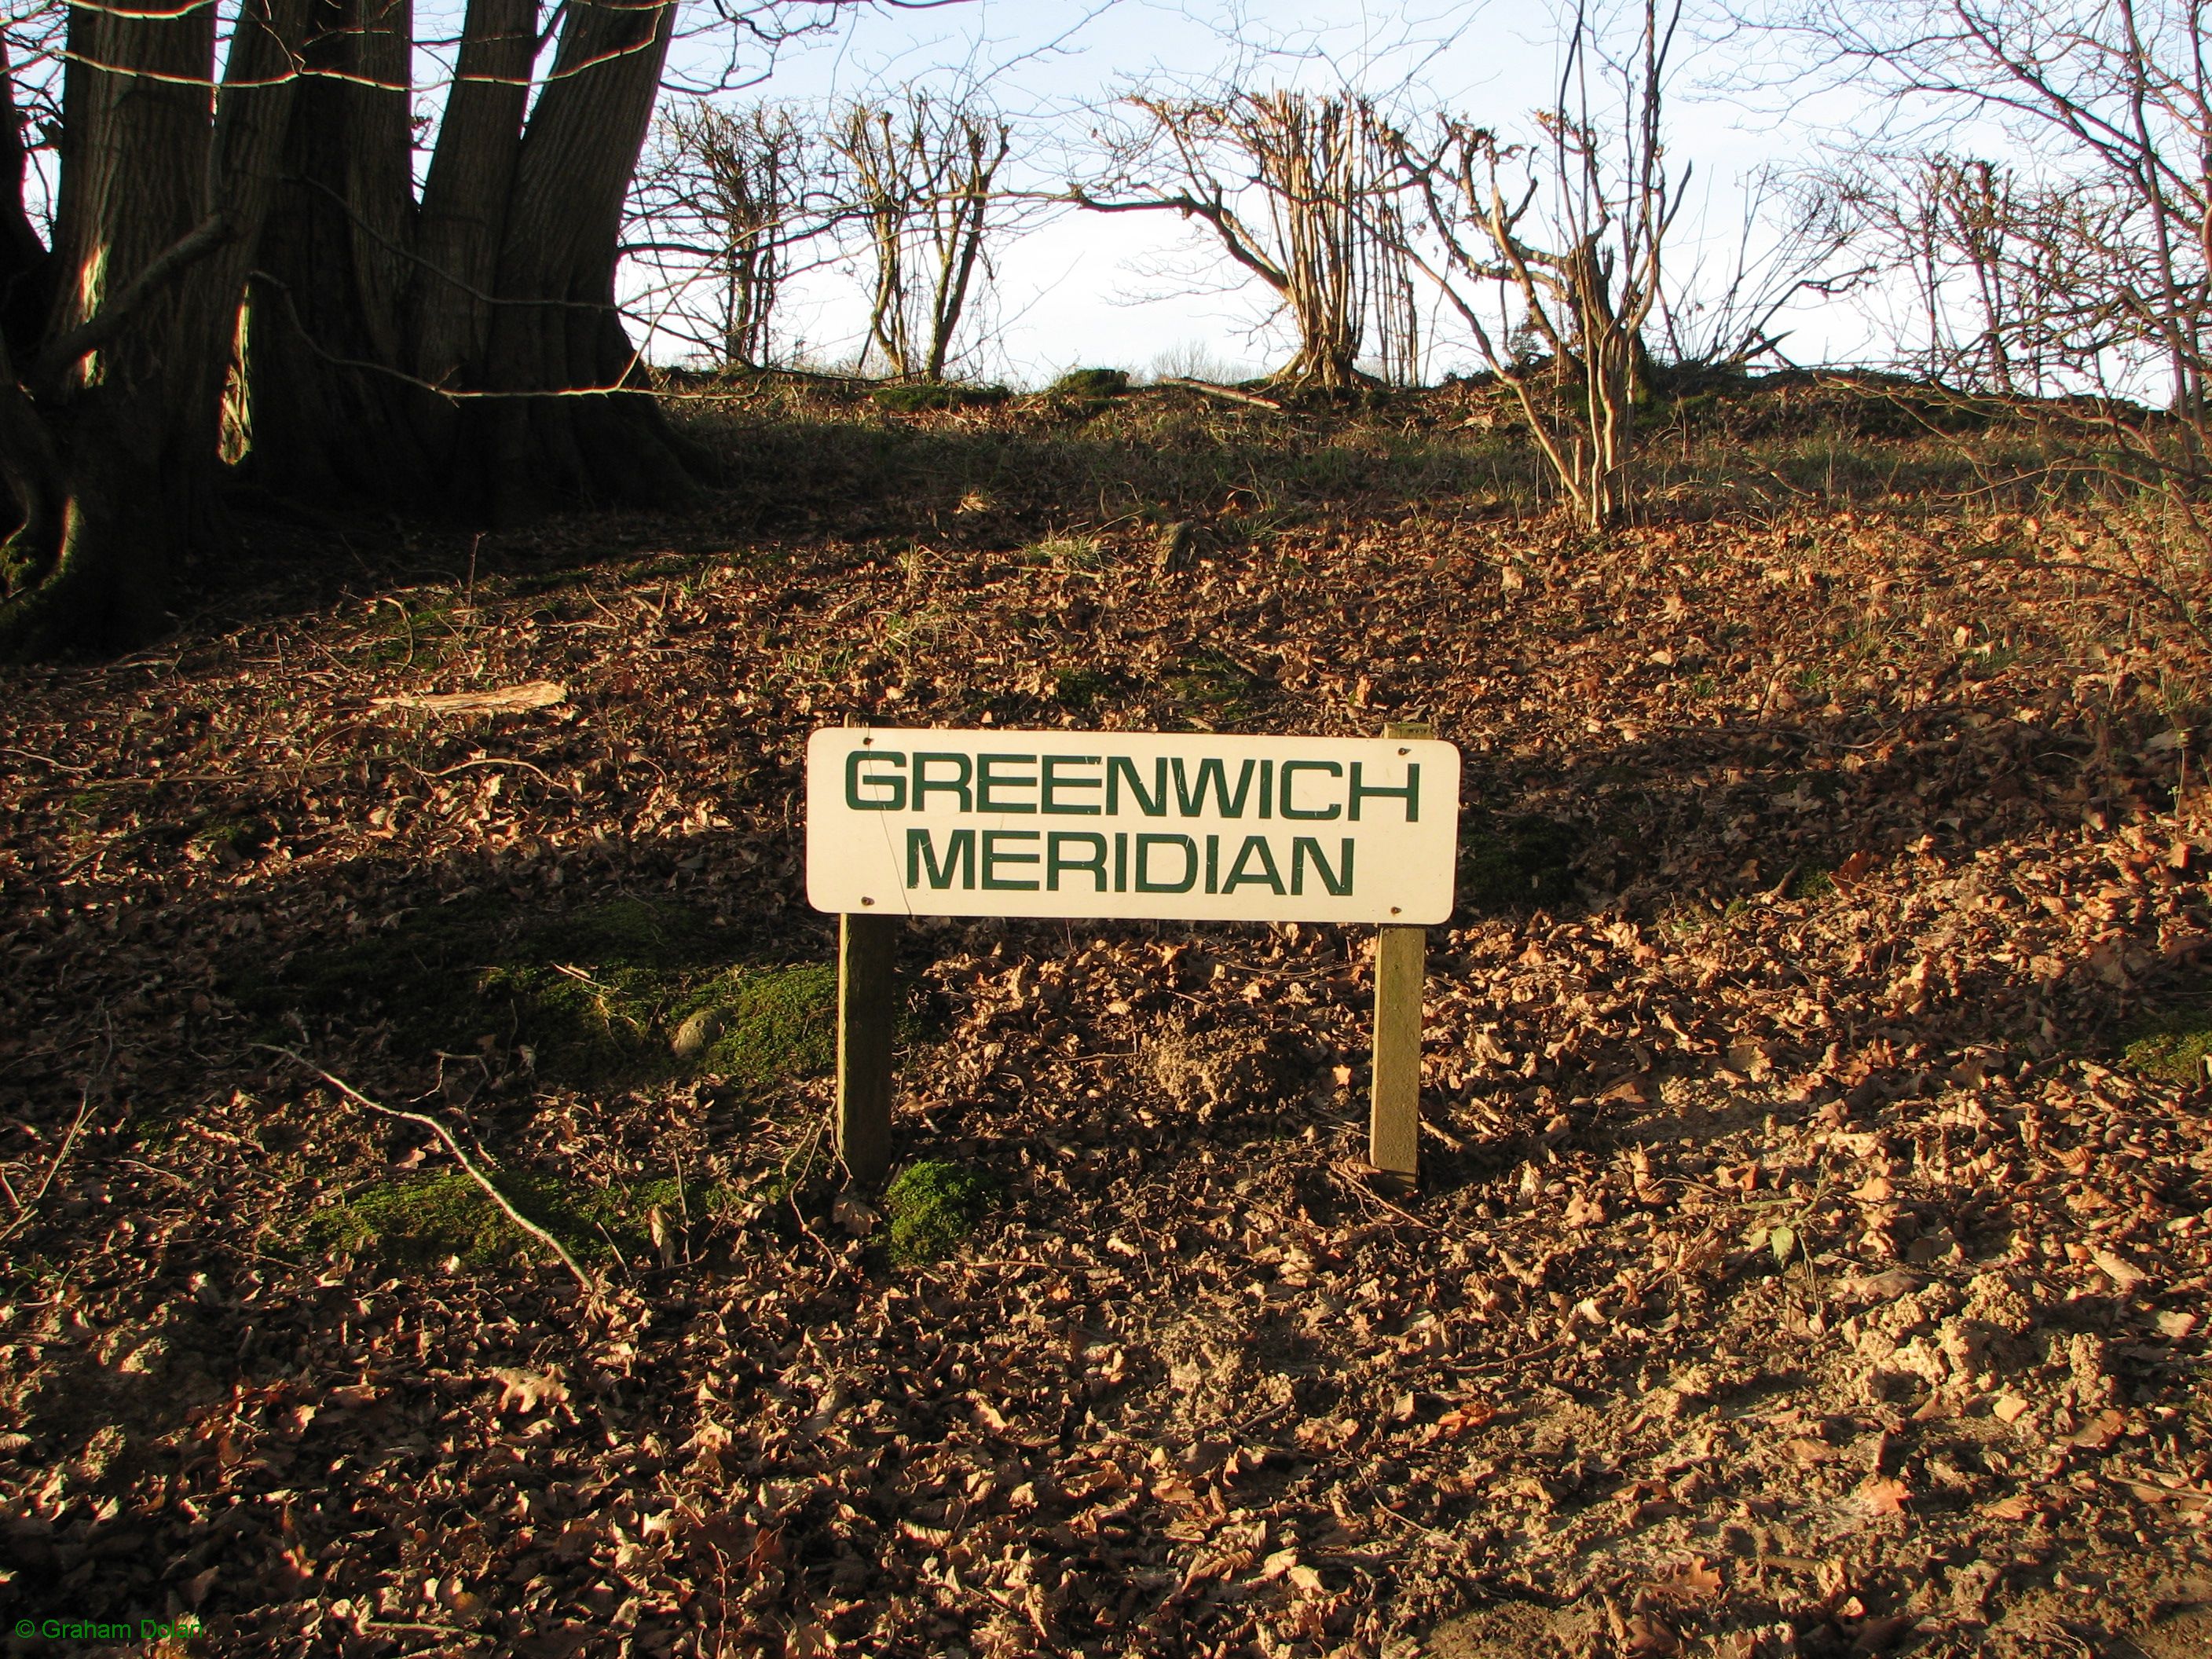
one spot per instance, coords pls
(590, 1286)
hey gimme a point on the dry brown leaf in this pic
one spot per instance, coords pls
(1694, 1580)
(527, 1391)
(2122, 1272)
(1882, 1497)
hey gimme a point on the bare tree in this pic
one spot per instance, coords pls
(723, 202)
(2091, 250)
(1797, 236)
(917, 176)
(1570, 229)
(1298, 186)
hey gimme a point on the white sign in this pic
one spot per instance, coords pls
(1177, 827)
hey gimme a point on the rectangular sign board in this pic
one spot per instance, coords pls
(1183, 826)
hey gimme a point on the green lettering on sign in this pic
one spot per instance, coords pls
(1305, 847)
(894, 786)
(1121, 769)
(1291, 771)
(1184, 844)
(1192, 802)
(1411, 794)
(955, 786)
(993, 857)
(921, 859)
(1054, 783)
(1265, 876)
(987, 779)
(1058, 861)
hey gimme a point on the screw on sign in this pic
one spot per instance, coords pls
(1158, 826)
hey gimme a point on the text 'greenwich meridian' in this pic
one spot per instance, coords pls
(1198, 826)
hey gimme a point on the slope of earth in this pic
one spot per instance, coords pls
(1813, 1249)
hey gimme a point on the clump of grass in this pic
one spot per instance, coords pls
(421, 636)
(1066, 553)
(922, 397)
(1209, 684)
(933, 1205)
(1520, 861)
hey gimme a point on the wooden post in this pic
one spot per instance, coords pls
(1394, 1111)
(868, 1016)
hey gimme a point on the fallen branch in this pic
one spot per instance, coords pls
(453, 1145)
(1230, 392)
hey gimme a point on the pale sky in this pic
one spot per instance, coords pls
(1084, 289)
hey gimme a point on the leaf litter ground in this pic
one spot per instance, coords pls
(1812, 1253)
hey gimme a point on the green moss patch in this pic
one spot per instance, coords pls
(932, 1206)
(422, 1220)
(1811, 884)
(1091, 383)
(779, 1022)
(597, 994)
(2175, 1043)
(1080, 688)
(1508, 863)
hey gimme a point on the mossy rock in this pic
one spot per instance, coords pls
(1091, 383)
(932, 1206)
(1811, 884)
(1518, 862)
(779, 1022)
(597, 995)
(422, 1220)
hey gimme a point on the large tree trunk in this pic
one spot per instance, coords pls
(107, 416)
(500, 292)
(556, 329)
(470, 353)
(92, 565)
(466, 197)
(26, 294)
(331, 417)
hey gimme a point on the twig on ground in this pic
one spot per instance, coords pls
(1346, 1171)
(26, 1209)
(590, 1285)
